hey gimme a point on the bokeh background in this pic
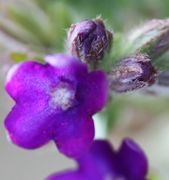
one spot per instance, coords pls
(30, 29)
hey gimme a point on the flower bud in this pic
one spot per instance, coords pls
(152, 38)
(88, 40)
(133, 73)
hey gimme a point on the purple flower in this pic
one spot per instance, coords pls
(88, 40)
(55, 101)
(104, 163)
(133, 73)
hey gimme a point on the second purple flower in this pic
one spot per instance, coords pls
(104, 163)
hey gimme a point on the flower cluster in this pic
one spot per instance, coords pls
(56, 100)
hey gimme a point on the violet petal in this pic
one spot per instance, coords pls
(97, 86)
(28, 81)
(29, 127)
(132, 160)
(74, 134)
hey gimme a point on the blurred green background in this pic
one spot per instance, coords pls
(41, 24)
(30, 29)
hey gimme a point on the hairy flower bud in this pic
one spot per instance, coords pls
(88, 40)
(133, 73)
(152, 38)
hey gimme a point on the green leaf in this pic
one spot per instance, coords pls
(21, 57)
(42, 30)
(18, 56)
(31, 22)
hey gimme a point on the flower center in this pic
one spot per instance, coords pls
(63, 97)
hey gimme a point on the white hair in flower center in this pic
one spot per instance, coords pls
(63, 96)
